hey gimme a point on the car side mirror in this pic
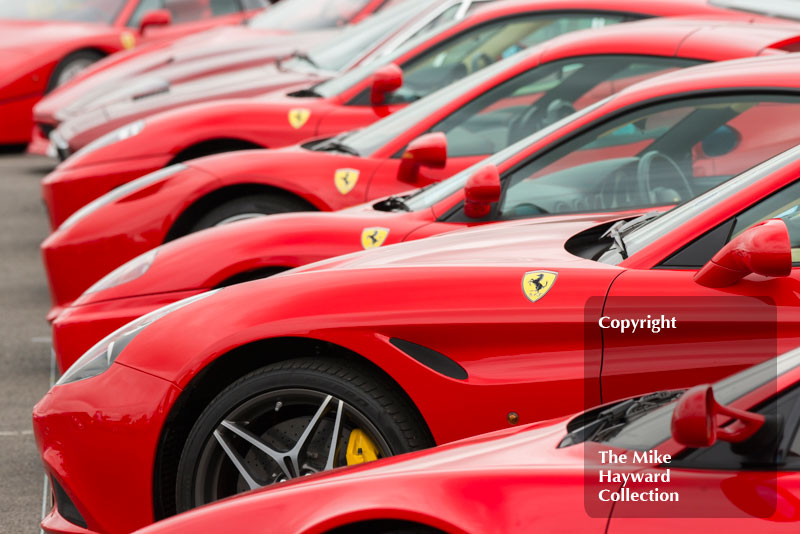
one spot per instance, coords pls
(763, 249)
(694, 420)
(157, 17)
(386, 79)
(429, 150)
(482, 189)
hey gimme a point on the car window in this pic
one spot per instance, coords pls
(184, 10)
(478, 48)
(652, 156)
(542, 96)
(100, 11)
(303, 15)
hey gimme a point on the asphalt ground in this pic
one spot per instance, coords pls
(25, 366)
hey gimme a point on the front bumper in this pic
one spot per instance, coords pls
(67, 190)
(78, 328)
(98, 440)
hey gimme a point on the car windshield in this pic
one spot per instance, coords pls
(360, 39)
(433, 194)
(787, 9)
(652, 429)
(644, 235)
(303, 15)
(471, 50)
(98, 11)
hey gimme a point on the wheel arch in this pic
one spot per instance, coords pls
(214, 378)
(101, 52)
(192, 214)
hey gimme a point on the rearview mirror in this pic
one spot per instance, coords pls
(482, 189)
(386, 79)
(694, 420)
(157, 17)
(429, 150)
(763, 249)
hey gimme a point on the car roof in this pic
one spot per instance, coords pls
(711, 39)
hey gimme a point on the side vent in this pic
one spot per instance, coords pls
(431, 359)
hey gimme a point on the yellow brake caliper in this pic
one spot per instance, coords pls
(360, 448)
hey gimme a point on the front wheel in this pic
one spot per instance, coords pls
(249, 207)
(71, 66)
(291, 419)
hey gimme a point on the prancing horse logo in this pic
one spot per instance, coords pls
(345, 180)
(373, 237)
(536, 284)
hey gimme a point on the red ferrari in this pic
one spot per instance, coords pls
(234, 62)
(353, 100)
(536, 88)
(292, 26)
(422, 343)
(540, 477)
(45, 43)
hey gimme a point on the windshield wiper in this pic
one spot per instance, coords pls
(615, 234)
(616, 416)
(392, 204)
(334, 145)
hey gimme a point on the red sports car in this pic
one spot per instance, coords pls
(475, 117)
(422, 343)
(44, 43)
(292, 26)
(235, 62)
(540, 477)
(356, 99)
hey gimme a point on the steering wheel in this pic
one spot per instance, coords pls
(533, 210)
(480, 61)
(665, 194)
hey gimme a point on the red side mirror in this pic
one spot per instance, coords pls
(157, 17)
(482, 189)
(763, 249)
(429, 150)
(385, 80)
(694, 420)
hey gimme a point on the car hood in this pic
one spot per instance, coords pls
(520, 243)
(187, 61)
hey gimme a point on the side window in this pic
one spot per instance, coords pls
(540, 97)
(475, 49)
(185, 10)
(644, 158)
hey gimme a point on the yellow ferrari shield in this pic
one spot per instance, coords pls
(298, 117)
(373, 237)
(128, 40)
(536, 284)
(345, 180)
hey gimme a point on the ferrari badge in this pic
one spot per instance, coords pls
(298, 117)
(373, 237)
(536, 284)
(345, 180)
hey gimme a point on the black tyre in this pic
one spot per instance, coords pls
(70, 66)
(291, 419)
(249, 207)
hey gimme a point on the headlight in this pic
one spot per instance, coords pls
(120, 134)
(125, 273)
(100, 357)
(121, 191)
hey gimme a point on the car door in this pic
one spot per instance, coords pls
(717, 490)
(717, 331)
